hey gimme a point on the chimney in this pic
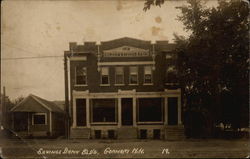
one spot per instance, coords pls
(72, 46)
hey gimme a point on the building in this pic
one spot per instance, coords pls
(123, 88)
(37, 117)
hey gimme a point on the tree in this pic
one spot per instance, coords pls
(213, 60)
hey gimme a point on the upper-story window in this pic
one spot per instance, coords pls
(105, 75)
(148, 78)
(133, 75)
(119, 75)
(171, 74)
(81, 75)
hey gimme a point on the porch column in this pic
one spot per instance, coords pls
(13, 121)
(179, 110)
(119, 112)
(134, 112)
(50, 122)
(28, 123)
(166, 111)
(87, 113)
(74, 112)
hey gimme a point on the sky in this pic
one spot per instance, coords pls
(45, 28)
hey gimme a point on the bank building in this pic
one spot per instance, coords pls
(123, 89)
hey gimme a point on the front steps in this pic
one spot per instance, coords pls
(80, 133)
(127, 133)
(175, 132)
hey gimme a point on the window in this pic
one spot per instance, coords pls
(81, 75)
(150, 110)
(39, 119)
(119, 75)
(171, 75)
(105, 75)
(104, 110)
(133, 75)
(147, 74)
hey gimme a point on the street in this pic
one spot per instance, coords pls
(78, 148)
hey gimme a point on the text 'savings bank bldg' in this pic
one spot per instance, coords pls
(124, 88)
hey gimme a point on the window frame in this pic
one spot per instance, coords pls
(174, 71)
(137, 78)
(149, 122)
(119, 84)
(144, 74)
(92, 122)
(45, 116)
(86, 79)
(101, 84)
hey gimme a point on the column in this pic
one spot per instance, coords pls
(74, 112)
(179, 110)
(166, 111)
(50, 122)
(119, 112)
(13, 121)
(28, 123)
(134, 112)
(87, 113)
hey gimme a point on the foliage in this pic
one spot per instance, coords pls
(213, 65)
(149, 3)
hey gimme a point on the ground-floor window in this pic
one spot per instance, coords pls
(150, 109)
(39, 119)
(104, 110)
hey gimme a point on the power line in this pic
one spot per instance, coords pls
(32, 57)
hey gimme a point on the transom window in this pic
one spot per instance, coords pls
(119, 75)
(133, 75)
(81, 75)
(148, 74)
(105, 75)
(39, 119)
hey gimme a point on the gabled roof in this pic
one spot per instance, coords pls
(34, 103)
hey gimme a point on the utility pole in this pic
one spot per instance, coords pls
(4, 109)
(67, 123)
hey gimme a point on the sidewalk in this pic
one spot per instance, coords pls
(62, 148)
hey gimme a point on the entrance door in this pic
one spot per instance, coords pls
(81, 112)
(127, 111)
(172, 111)
(20, 121)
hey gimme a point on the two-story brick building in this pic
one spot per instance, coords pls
(123, 88)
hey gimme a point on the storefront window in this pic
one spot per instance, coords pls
(150, 109)
(104, 110)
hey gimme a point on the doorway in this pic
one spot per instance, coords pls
(172, 110)
(127, 111)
